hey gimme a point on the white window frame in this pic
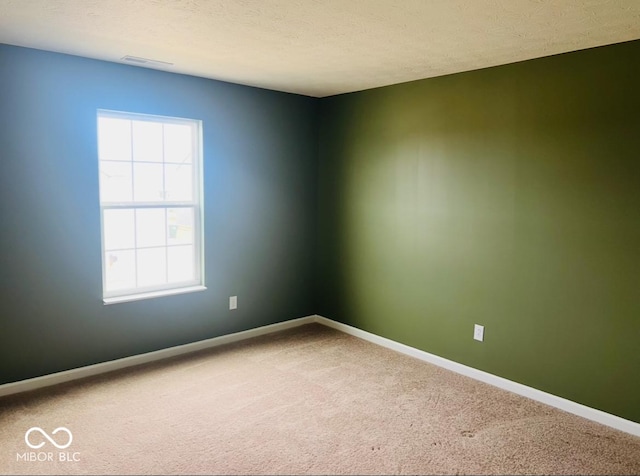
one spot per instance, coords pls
(146, 292)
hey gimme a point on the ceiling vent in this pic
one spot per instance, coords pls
(147, 61)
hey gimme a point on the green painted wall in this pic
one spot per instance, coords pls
(260, 170)
(508, 197)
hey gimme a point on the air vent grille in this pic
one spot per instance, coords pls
(147, 61)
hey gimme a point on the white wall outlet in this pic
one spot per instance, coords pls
(233, 302)
(478, 332)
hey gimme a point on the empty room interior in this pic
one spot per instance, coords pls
(320, 237)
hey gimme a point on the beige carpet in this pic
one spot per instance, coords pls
(305, 401)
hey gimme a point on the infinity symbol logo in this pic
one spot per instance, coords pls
(38, 429)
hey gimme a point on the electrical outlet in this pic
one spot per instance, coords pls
(233, 302)
(478, 332)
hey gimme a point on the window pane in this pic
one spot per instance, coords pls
(150, 181)
(147, 141)
(120, 270)
(118, 229)
(181, 263)
(114, 138)
(115, 182)
(152, 266)
(179, 182)
(177, 143)
(147, 183)
(180, 226)
(150, 227)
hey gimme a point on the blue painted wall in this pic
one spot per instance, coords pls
(259, 199)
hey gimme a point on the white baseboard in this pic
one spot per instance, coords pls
(103, 367)
(589, 413)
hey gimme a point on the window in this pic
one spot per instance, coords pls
(150, 205)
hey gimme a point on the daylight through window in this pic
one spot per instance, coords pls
(150, 188)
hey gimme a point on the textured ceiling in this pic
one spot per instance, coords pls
(318, 47)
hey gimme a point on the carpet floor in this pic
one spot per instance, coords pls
(310, 400)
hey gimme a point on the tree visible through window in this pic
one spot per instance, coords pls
(150, 185)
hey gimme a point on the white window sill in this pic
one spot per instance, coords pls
(166, 292)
